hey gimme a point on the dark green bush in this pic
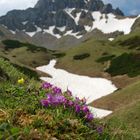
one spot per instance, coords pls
(132, 42)
(59, 55)
(81, 56)
(125, 64)
(12, 44)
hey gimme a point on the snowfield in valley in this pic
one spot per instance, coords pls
(81, 86)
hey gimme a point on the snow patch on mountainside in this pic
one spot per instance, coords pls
(62, 29)
(13, 32)
(73, 34)
(77, 18)
(111, 39)
(69, 11)
(107, 23)
(50, 31)
(25, 22)
(111, 24)
(31, 34)
(88, 28)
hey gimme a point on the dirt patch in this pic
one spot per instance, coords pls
(123, 81)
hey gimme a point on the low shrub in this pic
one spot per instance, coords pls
(81, 56)
(127, 63)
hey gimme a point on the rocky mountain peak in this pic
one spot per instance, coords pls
(58, 17)
(55, 5)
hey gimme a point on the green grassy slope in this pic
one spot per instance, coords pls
(120, 98)
(101, 53)
(105, 58)
(136, 26)
(23, 117)
(124, 123)
(120, 58)
(26, 54)
(89, 65)
(128, 63)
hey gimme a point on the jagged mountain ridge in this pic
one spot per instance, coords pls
(57, 16)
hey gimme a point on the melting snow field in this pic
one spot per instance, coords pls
(81, 86)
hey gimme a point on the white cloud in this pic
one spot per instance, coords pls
(7, 5)
(127, 6)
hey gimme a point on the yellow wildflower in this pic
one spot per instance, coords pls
(21, 81)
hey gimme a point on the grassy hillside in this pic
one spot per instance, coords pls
(23, 117)
(124, 123)
(136, 26)
(129, 42)
(120, 98)
(102, 58)
(125, 103)
(24, 113)
(26, 54)
(118, 61)
(88, 65)
(101, 53)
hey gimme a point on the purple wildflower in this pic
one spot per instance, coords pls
(77, 100)
(44, 102)
(85, 109)
(100, 130)
(46, 85)
(65, 101)
(49, 97)
(70, 103)
(77, 108)
(57, 90)
(56, 99)
(59, 99)
(89, 116)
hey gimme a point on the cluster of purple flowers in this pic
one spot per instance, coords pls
(55, 97)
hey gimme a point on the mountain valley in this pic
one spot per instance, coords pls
(87, 38)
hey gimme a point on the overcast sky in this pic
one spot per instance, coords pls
(7, 5)
(129, 7)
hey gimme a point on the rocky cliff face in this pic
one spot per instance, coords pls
(57, 17)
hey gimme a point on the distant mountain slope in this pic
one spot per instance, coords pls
(51, 20)
(25, 54)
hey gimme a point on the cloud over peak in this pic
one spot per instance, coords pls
(129, 7)
(7, 5)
